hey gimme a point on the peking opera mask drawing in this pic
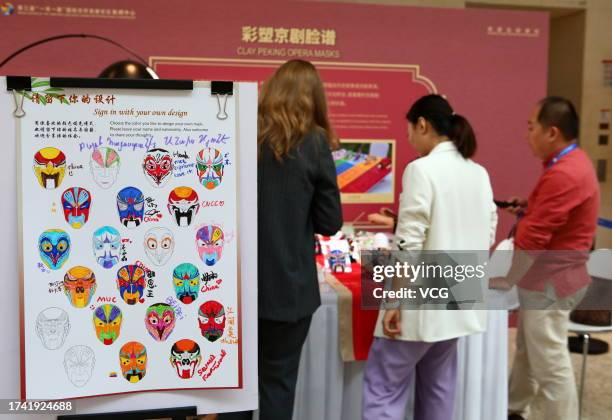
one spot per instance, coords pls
(130, 205)
(211, 320)
(131, 284)
(157, 167)
(106, 246)
(159, 245)
(54, 248)
(183, 205)
(185, 356)
(79, 286)
(160, 321)
(209, 166)
(79, 362)
(49, 167)
(52, 327)
(133, 361)
(210, 241)
(104, 165)
(107, 320)
(186, 282)
(76, 203)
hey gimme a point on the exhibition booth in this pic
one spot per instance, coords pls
(134, 285)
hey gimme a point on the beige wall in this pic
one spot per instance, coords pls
(581, 37)
(598, 47)
(565, 57)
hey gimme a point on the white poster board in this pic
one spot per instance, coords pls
(204, 283)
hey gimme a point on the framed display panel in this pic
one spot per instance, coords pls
(366, 170)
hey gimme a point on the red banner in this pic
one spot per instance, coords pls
(375, 60)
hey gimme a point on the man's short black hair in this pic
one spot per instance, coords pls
(559, 112)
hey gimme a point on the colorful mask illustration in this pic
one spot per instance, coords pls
(160, 320)
(104, 165)
(209, 242)
(54, 248)
(79, 362)
(211, 318)
(209, 165)
(79, 286)
(52, 327)
(159, 245)
(131, 284)
(186, 281)
(130, 204)
(107, 323)
(49, 167)
(157, 167)
(106, 246)
(183, 204)
(76, 203)
(185, 356)
(133, 361)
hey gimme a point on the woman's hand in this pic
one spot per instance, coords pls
(379, 219)
(392, 323)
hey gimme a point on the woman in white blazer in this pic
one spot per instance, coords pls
(446, 205)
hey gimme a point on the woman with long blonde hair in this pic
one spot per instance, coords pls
(297, 197)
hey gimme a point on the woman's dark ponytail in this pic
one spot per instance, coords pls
(463, 136)
(438, 112)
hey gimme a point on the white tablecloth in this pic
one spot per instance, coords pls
(329, 389)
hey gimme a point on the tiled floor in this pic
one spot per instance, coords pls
(598, 387)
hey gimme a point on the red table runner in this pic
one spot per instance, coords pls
(355, 325)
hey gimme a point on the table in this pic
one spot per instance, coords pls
(328, 389)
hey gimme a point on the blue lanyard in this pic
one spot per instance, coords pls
(562, 153)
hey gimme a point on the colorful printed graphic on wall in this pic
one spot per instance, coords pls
(111, 306)
(365, 170)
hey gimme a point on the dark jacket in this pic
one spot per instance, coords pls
(297, 198)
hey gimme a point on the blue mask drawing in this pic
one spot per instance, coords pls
(54, 248)
(106, 246)
(130, 204)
